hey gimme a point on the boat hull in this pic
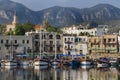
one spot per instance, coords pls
(10, 63)
(86, 64)
(40, 63)
(102, 65)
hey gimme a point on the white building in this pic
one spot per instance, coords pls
(119, 43)
(102, 29)
(78, 30)
(74, 45)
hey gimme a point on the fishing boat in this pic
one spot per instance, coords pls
(113, 61)
(86, 62)
(103, 62)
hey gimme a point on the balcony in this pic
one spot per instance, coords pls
(68, 48)
(50, 45)
(68, 42)
(110, 42)
(8, 44)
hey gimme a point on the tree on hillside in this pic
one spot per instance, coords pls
(2, 29)
(45, 24)
(50, 28)
(28, 26)
(19, 30)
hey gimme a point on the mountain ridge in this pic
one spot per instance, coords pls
(56, 15)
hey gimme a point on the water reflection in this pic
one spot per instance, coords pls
(59, 74)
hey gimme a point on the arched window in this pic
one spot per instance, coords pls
(50, 36)
(57, 36)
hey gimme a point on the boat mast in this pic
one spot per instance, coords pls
(11, 47)
(55, 47)
(40, 46)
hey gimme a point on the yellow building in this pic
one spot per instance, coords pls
(12, 26)
(103, 45)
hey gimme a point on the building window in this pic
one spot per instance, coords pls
(65, 47)
(45, 49)
(71, 39)
(1, 41)
(51, 42)
(113, 39)
(15, 41)
(51, 49)
(6, 41)
(58, 48)
(51, 36)
(69, 53)
(109, 40)
(68, 39)
(36, 36)
(81, 51)
(65, 39)
(23, 41)
(71, 47)
(91, 45)
(27, 41)
(58, 36)
(104, 40)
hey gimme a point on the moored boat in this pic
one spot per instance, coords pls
(113, 61)
(103, 62)
(86, 62)
(40, 62)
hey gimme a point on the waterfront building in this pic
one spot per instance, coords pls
(80, 30)
(46, 40)
(102, 29)
(119, 43)
(103, 45)
(15, 45)
(74, 45)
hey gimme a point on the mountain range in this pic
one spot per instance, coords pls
(57, 16)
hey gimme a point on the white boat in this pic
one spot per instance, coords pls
(86, 62)
(103, 62)
(113, 61)
(10, 63)
(24, 63)
(39, 62)
(102, 65)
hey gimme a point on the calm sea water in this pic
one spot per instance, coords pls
(65, 73)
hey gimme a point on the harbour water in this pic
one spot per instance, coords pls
(64, 73)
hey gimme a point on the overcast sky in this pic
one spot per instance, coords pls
(42, 4)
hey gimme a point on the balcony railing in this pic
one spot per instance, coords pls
(11, 44)
(68, 42)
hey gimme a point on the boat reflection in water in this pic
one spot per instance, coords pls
(60, 74)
